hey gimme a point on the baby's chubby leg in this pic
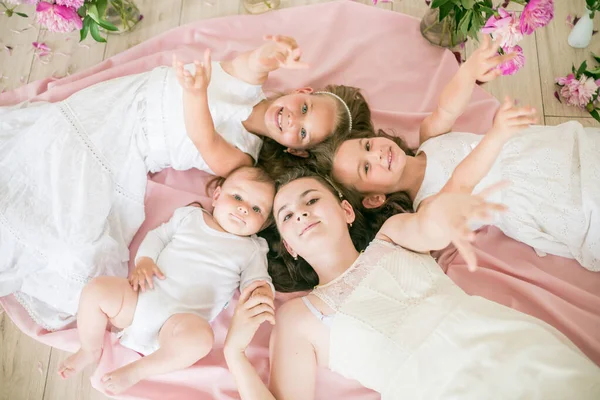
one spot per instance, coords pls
(103, 299)
(184, 339)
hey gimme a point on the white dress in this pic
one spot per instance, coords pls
(203, 268)
(73, 179)
(554, 194)
(402, 328)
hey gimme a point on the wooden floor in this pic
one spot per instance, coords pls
(28, 368)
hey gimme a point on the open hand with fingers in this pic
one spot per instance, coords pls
(197, 83)
(483, 63)
(511, 119)
(143, 274)
(450, 214)
(278, 52)
(251, 311)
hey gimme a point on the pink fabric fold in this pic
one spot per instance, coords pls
(402, 77)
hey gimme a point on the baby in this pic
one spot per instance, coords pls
(201, 259)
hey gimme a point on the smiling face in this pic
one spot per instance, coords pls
(369, 165)
(309, 217)
(301, 120)
(242, 205)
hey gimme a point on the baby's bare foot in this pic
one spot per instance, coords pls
(121, 379)
(78, 362)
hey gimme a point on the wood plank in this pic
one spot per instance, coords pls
(587, 122)
(23, 363)
(18, 33)
(193, 10)
(69, 55)
(556, 56)
(77, 387)
(159, 17)
(525, 85)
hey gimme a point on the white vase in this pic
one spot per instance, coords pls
(581, 34)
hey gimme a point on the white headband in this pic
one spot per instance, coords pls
(345, 106)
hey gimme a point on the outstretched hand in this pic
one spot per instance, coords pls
(453, 212)
(278, 52)
(483, 63)
(511, 119)
(197, 83)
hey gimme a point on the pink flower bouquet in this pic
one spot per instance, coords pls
(86, 16)
(580, 88)
(472, 16)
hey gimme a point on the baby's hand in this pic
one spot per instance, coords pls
(510, 119)
(483, 63)
(264, 290)
(144, 272)
(197, 83)
(278, 52)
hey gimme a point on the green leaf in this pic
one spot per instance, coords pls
(84, 29)
(468, 4)
(96, 33)
(82, 11)
(594, 73)
(464, 23)
(101, 5)
(93, 13)
(594, 113)
(107, 25)
(581, 69)
(438, 3)
(20, 14)
(445, 10)
(597, 58)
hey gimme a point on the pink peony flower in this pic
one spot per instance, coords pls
(70, 3)
(504, 28)
(536, 14)
(57, 18)
(512, 66)
(577, 92)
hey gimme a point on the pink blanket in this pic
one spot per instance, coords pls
(402, 75)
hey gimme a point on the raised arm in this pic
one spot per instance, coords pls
(442, 220)
(254, 66)
(481, 66)
(293, 361)
(221, 156)
(508, 121)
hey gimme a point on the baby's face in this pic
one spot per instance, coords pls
(243, 205)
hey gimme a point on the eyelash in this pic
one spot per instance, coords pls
(237, 197)
(256, 209)
(308, 203)
(367, 148)
(304, 111)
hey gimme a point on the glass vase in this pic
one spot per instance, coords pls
(441, 33)
(124, 14)
(260, 6)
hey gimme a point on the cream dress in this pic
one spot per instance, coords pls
(554, 194)
(73, 178)
(403, 328)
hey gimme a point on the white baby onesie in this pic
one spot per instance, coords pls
(202, 266)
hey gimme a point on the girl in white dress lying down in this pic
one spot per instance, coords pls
(390, 318)
(73, 173)
(201, 259)
(554, 197)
